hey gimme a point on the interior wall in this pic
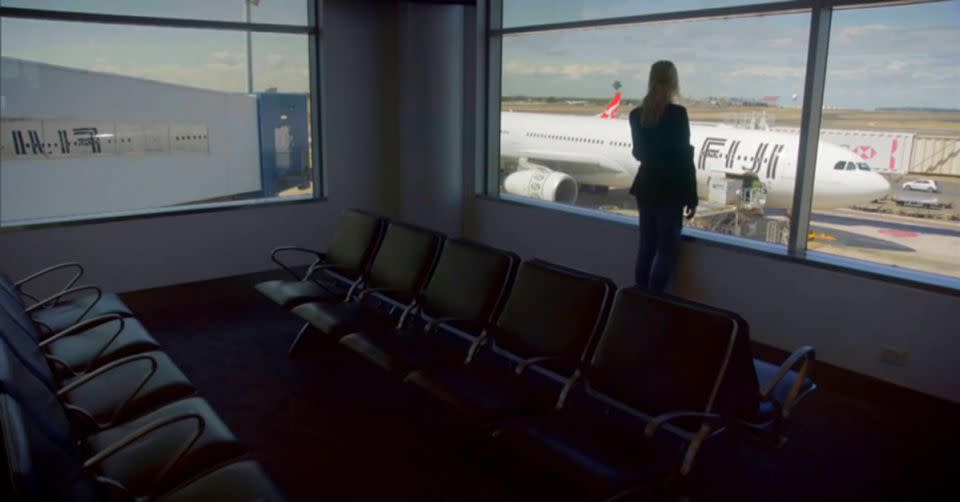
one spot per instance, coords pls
(846, 317)
(431, 106)
(150, 252)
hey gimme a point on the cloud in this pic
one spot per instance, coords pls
(782, 42)
(869, 70)
(570, 71)
(275, 61)
(766, 71)
(226, 58)
(851, 33)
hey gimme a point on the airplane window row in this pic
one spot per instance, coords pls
(178, 138)
(564, 138)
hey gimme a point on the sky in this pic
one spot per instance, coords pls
(879, 57)
(209, 59)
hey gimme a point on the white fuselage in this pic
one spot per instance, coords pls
(597, 151)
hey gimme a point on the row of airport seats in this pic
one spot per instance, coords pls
(616, 389)
(92, 409)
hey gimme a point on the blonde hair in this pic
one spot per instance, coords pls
(663, 87)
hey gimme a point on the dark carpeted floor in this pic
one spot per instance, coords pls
(327, 425)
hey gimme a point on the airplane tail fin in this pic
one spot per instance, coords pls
(613, 108)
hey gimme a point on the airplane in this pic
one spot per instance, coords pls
(551, 156)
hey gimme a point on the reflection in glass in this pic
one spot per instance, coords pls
(292, 12)
(109, 119)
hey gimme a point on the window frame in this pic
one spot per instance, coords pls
(312, 30)
(490, 33)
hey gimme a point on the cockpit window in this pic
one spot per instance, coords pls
(851, 166)
(839, 165)
(863, 166)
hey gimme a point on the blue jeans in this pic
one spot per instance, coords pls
(659, 245)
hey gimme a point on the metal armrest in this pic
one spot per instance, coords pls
(117, 413)
(365, 292)
(433, 324)
(46, 271)
(807, 354)
(95, 460)
(567, 388)
(711, 422)
(665, 418)
(475, 346)
(66, 292)
(275, 256)
(321, 267)
(80, 327)
(522, 365)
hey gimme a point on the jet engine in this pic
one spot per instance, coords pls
(542, 184)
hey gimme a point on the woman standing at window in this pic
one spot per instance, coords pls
(666, 184)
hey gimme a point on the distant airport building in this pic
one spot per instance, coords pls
(773, 101)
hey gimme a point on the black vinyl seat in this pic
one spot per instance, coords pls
(398, 272)
(111, 394)
(243, 480)
(82, 347)
(144, 449)
(549, 318)
(139, 458)
(57, 312)
(764, 394)
(465, 290)
(330, 275)
(191, 424)
(650, 395)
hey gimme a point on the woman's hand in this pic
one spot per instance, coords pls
(689, 211)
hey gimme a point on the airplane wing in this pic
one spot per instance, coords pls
(572, 163)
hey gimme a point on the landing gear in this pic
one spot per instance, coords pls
(596, 189)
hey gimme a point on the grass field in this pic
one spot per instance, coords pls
(931, 123)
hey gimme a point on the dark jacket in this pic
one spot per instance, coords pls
(666, 174)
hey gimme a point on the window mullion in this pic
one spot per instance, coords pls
(810, 127)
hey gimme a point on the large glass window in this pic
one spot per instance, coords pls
(113, 119)
(891, 108)
(532, 12)
(566, 96)
(886, 176)
(290, 12)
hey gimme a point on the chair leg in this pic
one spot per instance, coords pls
(296, 341)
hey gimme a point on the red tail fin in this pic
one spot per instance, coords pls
(613, 108)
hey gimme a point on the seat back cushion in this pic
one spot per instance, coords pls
(39, 465)
(552, 311)
(404, 259)
(15, 339)
(468, 281)
(28, 383)
(9, 289)
(739, 393)
(354, 241)
(12, 310)
(658, 355)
